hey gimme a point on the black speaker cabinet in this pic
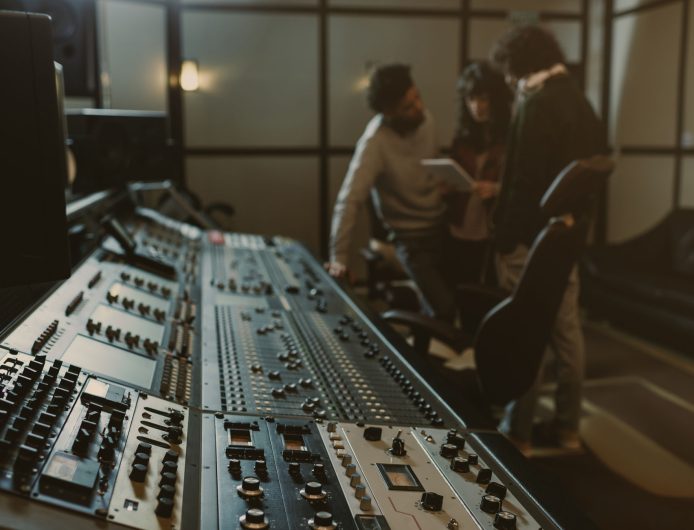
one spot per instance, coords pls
(74, 41)
(113, 147)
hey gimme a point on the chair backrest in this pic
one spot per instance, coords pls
(512, 337)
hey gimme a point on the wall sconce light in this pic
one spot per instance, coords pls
(190, 81)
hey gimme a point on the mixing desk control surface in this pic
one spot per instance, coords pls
(212, 380)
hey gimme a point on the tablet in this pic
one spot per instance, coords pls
(450, 172)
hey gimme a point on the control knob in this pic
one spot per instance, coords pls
(431, 501)
(490, 503)
(322, 521)
(254, 519)
(505, 520)
(313, 491)
(250, 487)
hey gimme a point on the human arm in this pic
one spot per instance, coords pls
(361, 176)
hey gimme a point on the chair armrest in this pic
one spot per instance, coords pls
(425, 328)
(475, 301)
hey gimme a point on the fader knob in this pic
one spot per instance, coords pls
(505, 521)
(254, 519)
(164, 507)
(490, 503)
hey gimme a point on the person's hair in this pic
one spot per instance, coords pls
(387, 85)
(526, 49)
(480, 79)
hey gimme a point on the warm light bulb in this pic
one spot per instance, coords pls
(190, 81)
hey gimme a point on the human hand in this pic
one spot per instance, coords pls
(485, 189)
(336, 269)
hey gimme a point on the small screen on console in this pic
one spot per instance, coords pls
(400, 477)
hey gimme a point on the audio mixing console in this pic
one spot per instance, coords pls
(218, 380)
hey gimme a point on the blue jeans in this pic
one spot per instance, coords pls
(566, 346)
(421, 255)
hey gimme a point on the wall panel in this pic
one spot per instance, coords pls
(430, 45)
(134, 55)
(258, 79)
(272, 196)
(644, 77)
(640, 194)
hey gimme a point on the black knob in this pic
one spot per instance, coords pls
(294, 468)
(254, 518)
(234, 465)
(318, 470)
(138, 473)
(170, 456)
(505, 521)
(174, 434)
(373, 434)
(431, 501)
(314, 488)
(398, 446)
(169, 467)
(250, 484)
(448, 451)
(490, 503)
(141, 458)
(323, 519)
(460, 464)
(496, 489)
(144, 447)
(484, 475)
(176, 417)
(167, 492)
(164, 507)
(456, 439)
(260, 467)
(473, 459)
(168, 479)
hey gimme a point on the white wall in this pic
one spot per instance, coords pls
(644, 114)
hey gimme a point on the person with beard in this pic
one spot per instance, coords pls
(387, 164)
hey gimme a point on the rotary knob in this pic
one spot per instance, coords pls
(313, 491)
(164, 507)
(250, 487)
(496, 489)
(166, 492)
(490, 503)
(448, 451)
(167, 479)
(141, 458)
(473, 459)
(318, 470)
(460, 464)
(138, 473)
(346, 460)
(431, 501)
(365, 503)
(505, 520)
(484, 475)
(170, 456)
(355, 480)
(254, 519)
(260, 467)
(234, 466)
(350, 470)
(321, 520)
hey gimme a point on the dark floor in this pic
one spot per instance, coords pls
(638, 468)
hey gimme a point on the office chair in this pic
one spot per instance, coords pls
(513, 329)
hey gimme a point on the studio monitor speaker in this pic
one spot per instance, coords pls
(74, 40)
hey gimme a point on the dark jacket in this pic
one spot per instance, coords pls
(552, 127)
